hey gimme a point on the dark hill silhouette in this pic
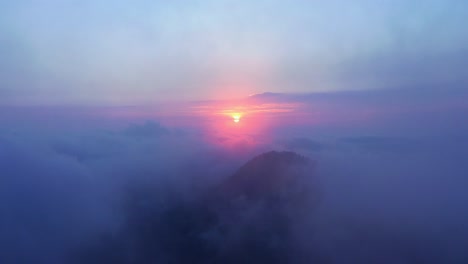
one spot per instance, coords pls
(258, 205)
(248, 218)
(276, 178)
(265, 174)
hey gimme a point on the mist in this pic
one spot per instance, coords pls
(382, 190)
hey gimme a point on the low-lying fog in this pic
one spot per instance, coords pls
(143, 193)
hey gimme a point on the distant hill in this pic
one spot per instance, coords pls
(265, 95)
(270, 174)
(248, 218)
(257, 206)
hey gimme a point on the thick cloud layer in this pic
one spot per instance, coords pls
(58, 189)
(68, 197)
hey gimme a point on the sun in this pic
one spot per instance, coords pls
(236, 118)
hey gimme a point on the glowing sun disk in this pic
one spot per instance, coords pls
(236, 117)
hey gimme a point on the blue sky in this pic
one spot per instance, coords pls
(131, 52)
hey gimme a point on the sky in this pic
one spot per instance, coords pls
(140, 52)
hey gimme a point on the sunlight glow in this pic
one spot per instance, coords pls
(236, 117)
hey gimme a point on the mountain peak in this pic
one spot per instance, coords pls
(268, 174)
(265, 95)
